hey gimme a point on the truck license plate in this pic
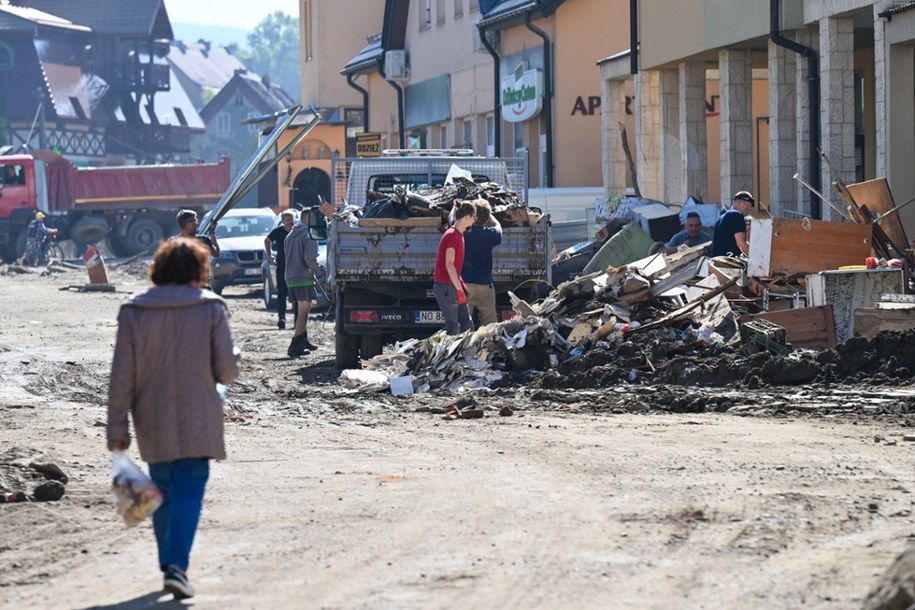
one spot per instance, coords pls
(430, 317)
(253, 271)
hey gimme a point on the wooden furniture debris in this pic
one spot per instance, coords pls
(890, 312)
(876, 195)
(791, 246)
(847, 291)
(807, 327)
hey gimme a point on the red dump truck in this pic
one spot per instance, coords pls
(133, 207)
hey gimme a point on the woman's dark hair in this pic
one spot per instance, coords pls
(181, 260)
(463, 208)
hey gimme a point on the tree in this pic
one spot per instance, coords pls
(273, 50)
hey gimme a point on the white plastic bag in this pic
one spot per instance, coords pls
(136, 495)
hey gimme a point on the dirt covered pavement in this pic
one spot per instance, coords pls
(773, 483)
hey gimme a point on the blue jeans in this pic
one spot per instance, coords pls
(182, 483)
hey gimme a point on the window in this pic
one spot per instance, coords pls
(468, 133)
(12, 174)
(458, 8)
(474, 5)
(443, 136)
(223, 122)
(439, 12)
(425, 14)
(6, 57)
(239, 100)
(518, 134)
(490, 135)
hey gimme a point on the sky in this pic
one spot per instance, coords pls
(242, 14)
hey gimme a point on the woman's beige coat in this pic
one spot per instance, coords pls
(173, 345)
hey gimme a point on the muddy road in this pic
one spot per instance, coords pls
(603, 495)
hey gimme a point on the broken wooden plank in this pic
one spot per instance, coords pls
(679, 313)
(871, 320)
(677, 277)
(877, 196)
(807, 327)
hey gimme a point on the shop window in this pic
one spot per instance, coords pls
(439, 12)
(458, 8)
(468, 133)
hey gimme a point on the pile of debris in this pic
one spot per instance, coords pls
(654, 321)
(508, 207)
(596, 311)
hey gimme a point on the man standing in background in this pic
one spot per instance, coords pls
(731, 229)
(479, 241)
(277, 238)
(301, 268)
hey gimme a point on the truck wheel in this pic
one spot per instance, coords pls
(117, 247)
(371, 345)
(142, 235)
(20, 245)
(346, 351)
(89, 230)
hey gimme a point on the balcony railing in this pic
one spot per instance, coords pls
(123, 138)
(146, 78)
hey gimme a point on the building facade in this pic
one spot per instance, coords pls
(793, 80)
(516, 77)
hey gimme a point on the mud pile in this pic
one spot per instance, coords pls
(658, 357)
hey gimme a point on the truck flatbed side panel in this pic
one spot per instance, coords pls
(150, 185)
(408, 253)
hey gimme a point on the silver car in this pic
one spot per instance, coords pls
(240, 234)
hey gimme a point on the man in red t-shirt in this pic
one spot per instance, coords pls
(448, 287)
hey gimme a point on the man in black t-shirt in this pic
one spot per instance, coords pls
(730, 238)
(276, 237)
(188, 222)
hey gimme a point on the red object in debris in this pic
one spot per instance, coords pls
(870, 262)
(90, 253)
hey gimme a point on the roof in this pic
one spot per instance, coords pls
(204, 64)
(25, 19)
(393, 37)
(505, 13)
(133, 18)
(266, 98)
(367, 60)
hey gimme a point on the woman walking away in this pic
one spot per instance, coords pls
(173, 346)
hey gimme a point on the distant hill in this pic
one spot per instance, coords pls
(218, 35)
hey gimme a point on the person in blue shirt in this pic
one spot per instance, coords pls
(479, 241)
(730, 237)
(691, 235)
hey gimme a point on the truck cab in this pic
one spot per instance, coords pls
(19, 198)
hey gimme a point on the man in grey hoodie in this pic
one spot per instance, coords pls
(301, 268)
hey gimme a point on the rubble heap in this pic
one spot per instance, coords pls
(508, 207)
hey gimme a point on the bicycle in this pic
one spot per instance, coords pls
(54, 251)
